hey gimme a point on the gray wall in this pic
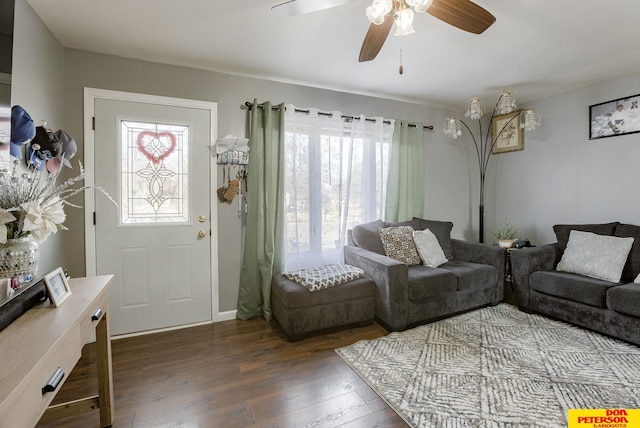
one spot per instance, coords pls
(562, 176)
(37, 85)
(84, 69)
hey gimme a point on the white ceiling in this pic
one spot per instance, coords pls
(536, 47)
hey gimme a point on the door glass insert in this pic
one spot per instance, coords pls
(154, 173)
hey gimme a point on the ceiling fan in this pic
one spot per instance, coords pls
(463, 14)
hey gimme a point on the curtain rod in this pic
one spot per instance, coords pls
(249, 105)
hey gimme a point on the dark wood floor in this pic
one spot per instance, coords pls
(232, 374)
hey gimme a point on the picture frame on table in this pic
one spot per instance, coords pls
(507, 133)
(57, 286)
(615, 117)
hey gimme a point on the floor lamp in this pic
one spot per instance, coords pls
(485, 144)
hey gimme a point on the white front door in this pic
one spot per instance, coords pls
(154, 160)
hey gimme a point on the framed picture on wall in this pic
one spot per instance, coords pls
(506, 133)
(615, 117)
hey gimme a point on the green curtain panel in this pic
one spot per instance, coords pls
(405, 185)
(264, 236)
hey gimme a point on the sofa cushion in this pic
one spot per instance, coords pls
(632, 267)
(562, 231)
(597, 256)
(427, 282)
(472, 276)
(293, 295)
(571, 286)
(367, 236)
(442, 230)
(625, 299)
(414, 223)
(428, 248)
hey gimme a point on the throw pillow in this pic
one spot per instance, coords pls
(367, 236)
(442, 230)
(399, 245)
(632, 268)
(596, 256)
(429, 249)
(637, 280)
(562, 231)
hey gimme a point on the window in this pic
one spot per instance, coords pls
(154, 173)
(335, 178)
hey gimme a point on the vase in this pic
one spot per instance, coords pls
(19, 259)
(506, 243)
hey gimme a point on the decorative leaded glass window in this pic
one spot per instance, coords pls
(154, 173)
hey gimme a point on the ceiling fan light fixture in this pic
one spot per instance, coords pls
(404, 22)
(377, 11)
(422, 6)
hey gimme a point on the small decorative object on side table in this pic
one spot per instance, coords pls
(506, 234)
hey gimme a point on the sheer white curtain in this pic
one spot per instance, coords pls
(335, 178)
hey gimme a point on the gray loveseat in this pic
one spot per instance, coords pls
(410, 295)
(612, 308)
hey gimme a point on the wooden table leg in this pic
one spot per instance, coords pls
(105, 372)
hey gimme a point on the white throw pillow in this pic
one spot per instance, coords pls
(637, 280)
(429, 248)
(597, 256)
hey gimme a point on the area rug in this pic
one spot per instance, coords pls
(497, 367)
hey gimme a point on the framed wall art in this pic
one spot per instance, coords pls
(57, 286)
(615, 117)
(506, 133)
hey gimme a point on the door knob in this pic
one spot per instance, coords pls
(202, 219)
(202, 234)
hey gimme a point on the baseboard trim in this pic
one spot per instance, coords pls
(226, 316)
(222, 316)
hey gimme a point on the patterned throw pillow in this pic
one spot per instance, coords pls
(325, 276)
(399, 245)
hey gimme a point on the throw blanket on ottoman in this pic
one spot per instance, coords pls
(325, 276)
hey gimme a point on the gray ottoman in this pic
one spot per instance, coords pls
(300, 311)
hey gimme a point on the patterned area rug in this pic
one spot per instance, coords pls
(497, 367)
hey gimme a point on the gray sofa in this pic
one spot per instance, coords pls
(603, 306)
(411, 295)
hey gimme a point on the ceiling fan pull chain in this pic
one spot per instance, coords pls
(401, 69)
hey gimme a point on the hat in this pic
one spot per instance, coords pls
(44, 146)
(22, 130)
(69, 147)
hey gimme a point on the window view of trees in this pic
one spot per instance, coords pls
(334, 180)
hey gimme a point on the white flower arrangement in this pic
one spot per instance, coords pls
(32, 204)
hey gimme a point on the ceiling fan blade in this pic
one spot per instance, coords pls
(462, 14)
(374, 39)
(300, 7)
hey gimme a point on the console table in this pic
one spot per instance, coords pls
(39, 350)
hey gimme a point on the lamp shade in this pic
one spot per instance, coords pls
(404, 22)
(475, 109)
(377, 11)
(506, 102)
(452, 127)
(422, 6)
(530, 119)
